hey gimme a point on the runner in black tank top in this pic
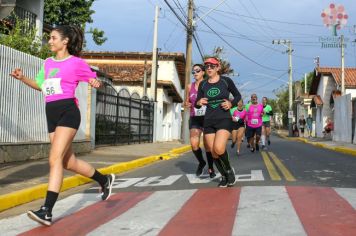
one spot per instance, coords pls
(214, 93)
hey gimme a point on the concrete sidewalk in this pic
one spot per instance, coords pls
(327, 143)
(22, 182)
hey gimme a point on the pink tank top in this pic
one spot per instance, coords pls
(254, 115)
(193, 93)
(240, 114)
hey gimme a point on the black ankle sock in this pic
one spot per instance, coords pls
(219, 166)
(225, 160)
(210, 159)
(100, 178)
(199, 155)
(51, 199)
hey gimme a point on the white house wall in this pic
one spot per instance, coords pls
(352, 92)
(326, 86)
(167, 71)
(342, 119)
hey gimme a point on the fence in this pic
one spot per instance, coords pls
(22, 109)
(121, 118)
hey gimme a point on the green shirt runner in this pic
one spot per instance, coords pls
(267, 113)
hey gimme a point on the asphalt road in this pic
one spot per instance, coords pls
(290, 189)
(284, 163)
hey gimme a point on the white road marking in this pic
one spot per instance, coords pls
(266, 211)
(148, 217)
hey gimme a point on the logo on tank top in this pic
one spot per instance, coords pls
(213, 92)
(53, 72)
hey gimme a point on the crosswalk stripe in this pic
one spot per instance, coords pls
(286, 173)
(148, 217)
(270, 167)
(266, 211)
(91, 217)
(250, 210)
(349, 194)
(207, 212)
(15, 225)
(322, 211)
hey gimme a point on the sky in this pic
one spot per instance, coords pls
(244, 29)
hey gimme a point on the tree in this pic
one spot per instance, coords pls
(24, 38)
(72, 12)
(282, 100)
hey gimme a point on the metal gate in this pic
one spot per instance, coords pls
(121, 118)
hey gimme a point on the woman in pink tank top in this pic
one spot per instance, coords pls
(196, 122)
(58, 79)
(239, 117)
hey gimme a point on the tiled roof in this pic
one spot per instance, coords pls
(133, 74)
(177, 57)
(350, 75)
(123, 72)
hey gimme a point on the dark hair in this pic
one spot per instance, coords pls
(75, 38)
(200, 66)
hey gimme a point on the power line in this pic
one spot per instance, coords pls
(175, 13)
(244, 36)
(277, 78)
(198, 43)
(266, 19)
(237, 51)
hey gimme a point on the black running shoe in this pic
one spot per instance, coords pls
(257, 147)
(106, 190)
(200, 169)
(269, 142)
(42, 216)
(252, 149)
(264, 148)
(211, 173)
(232, 145)
(223, 182)
(231, 177)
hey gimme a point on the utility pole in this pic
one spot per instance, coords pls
(342, 65)
(153, 89)
(188, 62)
(288, 44)
(154, 59)
(145, 79)
(305, 83)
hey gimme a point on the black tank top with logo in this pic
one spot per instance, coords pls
(216, 93)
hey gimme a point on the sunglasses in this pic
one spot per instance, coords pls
(211, 66)
(196, 71)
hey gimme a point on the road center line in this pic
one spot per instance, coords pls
(286, 173)
(270, 167)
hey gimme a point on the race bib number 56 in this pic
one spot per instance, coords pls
(200, 112)
(52, 86)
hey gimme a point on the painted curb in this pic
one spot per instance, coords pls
(33, 193)
(339, 149)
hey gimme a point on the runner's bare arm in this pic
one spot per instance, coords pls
(17, 74)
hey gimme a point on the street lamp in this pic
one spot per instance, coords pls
(288, 44)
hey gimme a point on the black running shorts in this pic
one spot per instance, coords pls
(266, 124)
(213, 125)
(250, 132)
(196, 122)
(62, 113)
(237, 125)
